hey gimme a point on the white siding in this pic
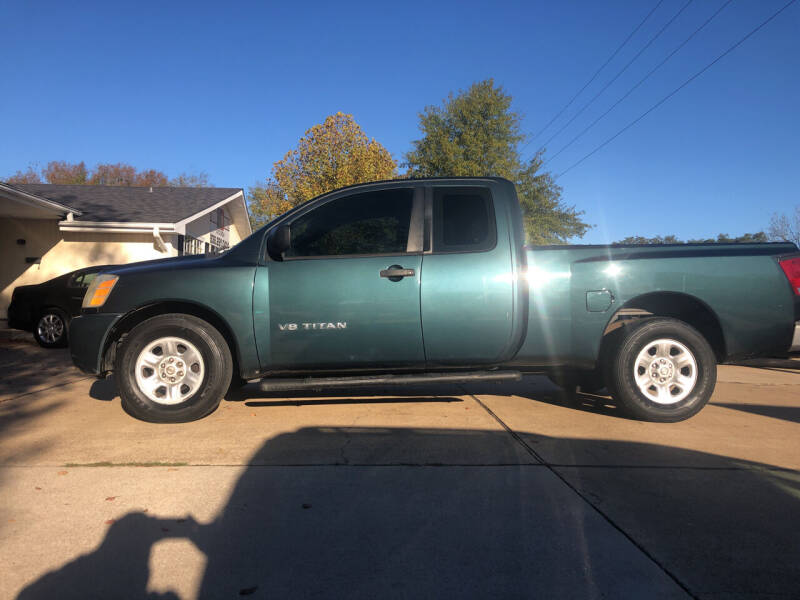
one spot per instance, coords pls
(64, 252)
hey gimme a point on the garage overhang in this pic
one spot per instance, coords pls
(17, 204)
(114, 227)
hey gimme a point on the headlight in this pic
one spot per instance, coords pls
(98, 291)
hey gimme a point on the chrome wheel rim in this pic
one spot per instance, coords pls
(665, 371)
(50, 328)
(169, 370)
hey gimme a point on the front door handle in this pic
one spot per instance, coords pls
(396, 273)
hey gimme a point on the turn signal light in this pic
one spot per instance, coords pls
(98, 291)
(791, 266)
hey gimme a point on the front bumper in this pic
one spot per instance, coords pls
(87, 340)
(796, 339)
(19, 318)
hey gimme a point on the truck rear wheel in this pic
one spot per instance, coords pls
(173, 368)
(663, 370)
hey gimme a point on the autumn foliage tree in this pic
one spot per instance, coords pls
(113, 174)
(59, 171)
(29, 175)
(65, 173)
(330, 155)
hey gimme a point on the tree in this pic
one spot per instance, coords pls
(330, 155)
(267, 202)
(113, 174)
(638, 239)
(722, 238)
(546, 218)
(190, 180)
(783, 228)
(150, 177)
(475, 133)
(27, 176)
(60, 171)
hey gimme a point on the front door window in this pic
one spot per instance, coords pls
(371, 223)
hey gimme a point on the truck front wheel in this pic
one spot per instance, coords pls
(172, 368)
(663, 370)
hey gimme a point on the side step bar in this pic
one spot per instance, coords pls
(323, 383)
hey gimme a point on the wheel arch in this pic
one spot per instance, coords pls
(140, 314)
(39, 310)
(676, 305)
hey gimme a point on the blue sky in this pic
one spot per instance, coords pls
(228, 88)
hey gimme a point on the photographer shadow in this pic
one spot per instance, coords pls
(489, 520)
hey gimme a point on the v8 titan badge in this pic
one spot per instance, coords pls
(309, 326)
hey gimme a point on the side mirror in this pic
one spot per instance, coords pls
(278, 241)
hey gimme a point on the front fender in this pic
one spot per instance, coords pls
(87, 340)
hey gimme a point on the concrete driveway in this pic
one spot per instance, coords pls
(448, 491)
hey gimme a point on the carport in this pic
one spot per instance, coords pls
(28, 230)
(47, 230)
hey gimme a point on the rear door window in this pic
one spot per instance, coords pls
(463, 220)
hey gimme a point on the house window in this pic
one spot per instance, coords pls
(220, 219)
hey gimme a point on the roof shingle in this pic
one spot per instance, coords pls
(126, 204)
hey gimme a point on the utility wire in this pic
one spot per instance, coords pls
(593, 77)
(640, 82)
(677, 89)
(613, 79)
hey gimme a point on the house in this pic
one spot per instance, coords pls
(47, 230)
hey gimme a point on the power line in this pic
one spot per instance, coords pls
(593, 77)
(677, 89)
(613, 79)
(640, 82)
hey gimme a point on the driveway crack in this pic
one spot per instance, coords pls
(527, 447)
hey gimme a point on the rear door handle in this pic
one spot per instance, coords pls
(396, 273)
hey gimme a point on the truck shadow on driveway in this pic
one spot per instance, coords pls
(105, 390)
(536, 389)
(785, 413)
(654, 522)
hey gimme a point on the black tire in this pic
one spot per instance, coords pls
(573, 380)
(50, 328)
(621, 371)
(203, 398)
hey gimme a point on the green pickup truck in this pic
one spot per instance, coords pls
(429, 280)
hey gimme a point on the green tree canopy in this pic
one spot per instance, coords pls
(476, 133)
(330, 155)
(722, 238)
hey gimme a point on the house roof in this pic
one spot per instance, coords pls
(103, 203)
